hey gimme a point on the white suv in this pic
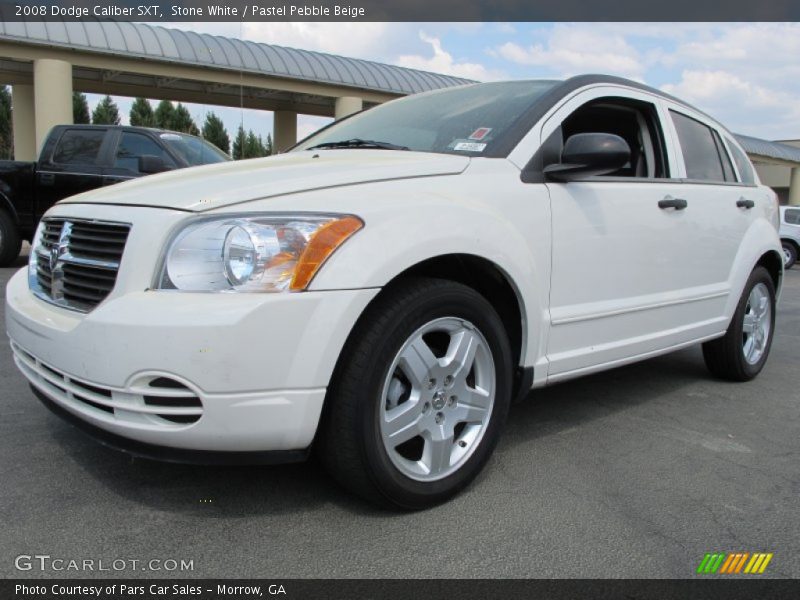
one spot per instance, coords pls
(790, 235)
(383, 291)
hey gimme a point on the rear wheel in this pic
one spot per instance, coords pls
(420, 396)
(10, 242)
(789, 255)
(742, 352)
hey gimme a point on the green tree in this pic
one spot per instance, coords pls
(165, 114)
(80, 109)
(182, 121)
(268, 145)
(214, 131)
(106, 113)
(239, 144)
(142, 114)
(6, 131)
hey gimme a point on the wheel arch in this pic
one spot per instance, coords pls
(772, 261)
(793, 242)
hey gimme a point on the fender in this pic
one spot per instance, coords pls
(759, 239)
(395, 238)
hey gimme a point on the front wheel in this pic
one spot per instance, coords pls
(742, 352)
(420, 396)
(789, 255)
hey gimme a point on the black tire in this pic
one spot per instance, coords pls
(350, 443)
(724, 356)
(790, 252)
(10, 241)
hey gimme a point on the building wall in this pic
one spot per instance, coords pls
(776, 176)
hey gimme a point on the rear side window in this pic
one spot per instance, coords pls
(79, 147)
(792, 216)
(132, 146)
(743, 164)
(700, 152)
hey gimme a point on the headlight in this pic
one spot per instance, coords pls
(253, 253)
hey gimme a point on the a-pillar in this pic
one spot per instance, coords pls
(794, 187)
(347, 105)
(24, 122)
(52, 91)
(284, 130)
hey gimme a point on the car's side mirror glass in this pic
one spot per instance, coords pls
(150, 164)
(589, 154)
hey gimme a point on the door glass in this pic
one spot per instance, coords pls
(743, 164)
(700, 153)
(132, 146)
(792, 216)
(79, 147)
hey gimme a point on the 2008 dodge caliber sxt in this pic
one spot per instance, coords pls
(382, 292)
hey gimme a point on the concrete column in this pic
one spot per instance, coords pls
(794, 187)
(23, 122)
(284, 130)
(52, 89)
(347, 105)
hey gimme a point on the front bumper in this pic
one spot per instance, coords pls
(257, 364)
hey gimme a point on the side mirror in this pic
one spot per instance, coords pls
(149, 164)
(588, 154)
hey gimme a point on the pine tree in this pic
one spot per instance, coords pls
(142, 114)
(80, 109)
(6, 132)
(165, 114)
(239, 144)
(268, 146)
(214, 131)
(106, 113)
(182, 121)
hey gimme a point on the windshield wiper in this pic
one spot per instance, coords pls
(358, 143)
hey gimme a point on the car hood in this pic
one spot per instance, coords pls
(226, 184)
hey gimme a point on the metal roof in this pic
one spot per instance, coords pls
(769, 149)
(202, 49)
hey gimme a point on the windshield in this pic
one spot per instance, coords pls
(464, 120)
(194, 150)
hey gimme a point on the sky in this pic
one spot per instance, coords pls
(747, 75)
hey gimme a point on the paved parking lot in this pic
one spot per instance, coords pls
(637, 472)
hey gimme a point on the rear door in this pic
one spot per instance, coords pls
(721, 192)
(627, 280)
(72, 163)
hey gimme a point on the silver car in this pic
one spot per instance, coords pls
(790, 234)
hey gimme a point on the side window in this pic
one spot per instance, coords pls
(792, 216)
(700, 152)
(742, 163)
(79, 147)
(727, 166)
(132, 146)
(634, 121)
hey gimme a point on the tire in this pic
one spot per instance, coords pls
(10, 241)
(742, 352)
(385, 374)
(789, 255)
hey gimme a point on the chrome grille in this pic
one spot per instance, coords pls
(75, 261)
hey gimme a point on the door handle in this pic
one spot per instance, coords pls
(47, 178)
(745, 203)
(670, 202)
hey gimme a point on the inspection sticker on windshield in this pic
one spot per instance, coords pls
(480, 133)
(470, 146)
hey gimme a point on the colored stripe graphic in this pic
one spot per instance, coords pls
(731, 563)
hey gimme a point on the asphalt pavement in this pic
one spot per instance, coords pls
(636, 472)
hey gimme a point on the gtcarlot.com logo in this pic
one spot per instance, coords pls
(45, 562)
(734, 563)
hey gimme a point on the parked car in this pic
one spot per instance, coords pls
(78, 158)
(790, 235)
(382, 292)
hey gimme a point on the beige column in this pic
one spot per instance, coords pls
(52, 90)
(347, 105)
(284, 130)
(794, 187)
(23, 122)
